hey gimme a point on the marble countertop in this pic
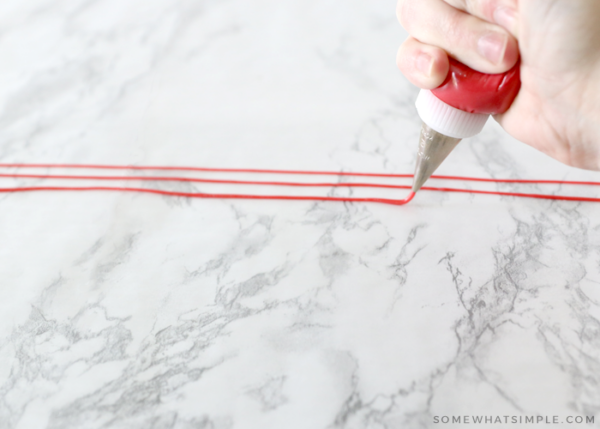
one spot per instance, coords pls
(141, 311)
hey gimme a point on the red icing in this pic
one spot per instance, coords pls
(474, 92)
(265, 197)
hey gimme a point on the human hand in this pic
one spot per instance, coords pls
(558, 108)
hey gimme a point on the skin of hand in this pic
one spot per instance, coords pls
(557, 110)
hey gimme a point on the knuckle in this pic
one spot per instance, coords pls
(483, 8)
(401, 57)
(453, 29)
(399, 10)
(406, 13)
(400, 62)
(472, 6)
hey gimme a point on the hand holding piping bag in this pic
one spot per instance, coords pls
(555, 44)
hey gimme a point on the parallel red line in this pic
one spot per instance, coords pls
(516, 194)
(274, 183)
(204, 195)
(198, 180)
(296, 172)
(287, 197)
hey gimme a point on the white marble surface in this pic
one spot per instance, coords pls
(140, 311)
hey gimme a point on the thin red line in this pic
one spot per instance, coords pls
(197, 180)
(203, 195)
(273, 197)
(293, 184)
(298, 172)
(201, 169)
(531, 181)
(286, 197)
(516, 194)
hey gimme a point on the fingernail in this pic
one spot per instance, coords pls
(507, 18)
(424, 64)
(492, 46)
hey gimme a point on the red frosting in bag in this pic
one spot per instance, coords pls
(474, 92)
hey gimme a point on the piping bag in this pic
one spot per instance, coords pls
(458, 109)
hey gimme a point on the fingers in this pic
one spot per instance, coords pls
(501, 12)
(481, 45)
(423, 65)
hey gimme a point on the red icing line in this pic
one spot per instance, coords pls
(307, 184)
(196, 180)
(474, 92)
(199, 169)
(297, 198)
(217, 196)
(272, 171)
(270, 197)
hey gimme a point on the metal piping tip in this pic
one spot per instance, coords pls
(434, 147)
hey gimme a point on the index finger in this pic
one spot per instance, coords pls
(501, 12)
